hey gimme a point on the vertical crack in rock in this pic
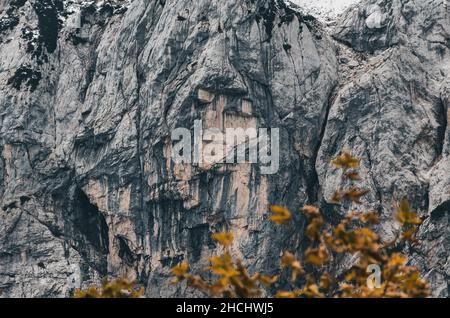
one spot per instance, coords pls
(442, 117)
(2, 173)
(89, 77)
(314, 196)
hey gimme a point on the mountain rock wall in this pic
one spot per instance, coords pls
(91, 93)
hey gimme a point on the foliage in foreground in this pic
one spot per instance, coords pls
(310, 276)
(119, 288)
(353, 236)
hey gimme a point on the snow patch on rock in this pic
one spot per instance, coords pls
(324, 10)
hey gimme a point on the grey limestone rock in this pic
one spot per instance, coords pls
(91, 92)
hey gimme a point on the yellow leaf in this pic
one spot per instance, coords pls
(285, 294)
(352, 175)
(224, 238)
(267, 280)
(397, 259)
(287, 259)
(223, 266)
(312, 291)
(197, 282)
(180, 270)
(409, 235)
(224, 260)
(355, 194)
(337, 197)
(219, 286)
(280, 215)
(297, 270)
(313, 228)
(406, 216)
(370, 217)
(311, 210)
(346, 161)
(225, 272)
(350, 276)
(119, 288)
(325, 281)
(316, 256)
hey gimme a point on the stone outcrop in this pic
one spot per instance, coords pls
(91, 93)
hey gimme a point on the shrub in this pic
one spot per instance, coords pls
(119, 288)
(353, 236)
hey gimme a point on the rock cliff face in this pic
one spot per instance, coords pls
(91, 93)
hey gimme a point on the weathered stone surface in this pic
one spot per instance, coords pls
(392, 111)
(91, 93)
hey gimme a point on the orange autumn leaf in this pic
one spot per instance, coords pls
(370, 217)
(311, 210)
(223, 266)
(352, 175)
(397, 259)
(312, 291)
(223, 238)
(325, 281)
(406, 216)
(288, 260)
(346, 161)
(316, 256)
(285, 294)
(354, 194)
(118, 288)
(337, 197)
(180, 270)
(313, 229)
(280, 215)
(267, 280)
